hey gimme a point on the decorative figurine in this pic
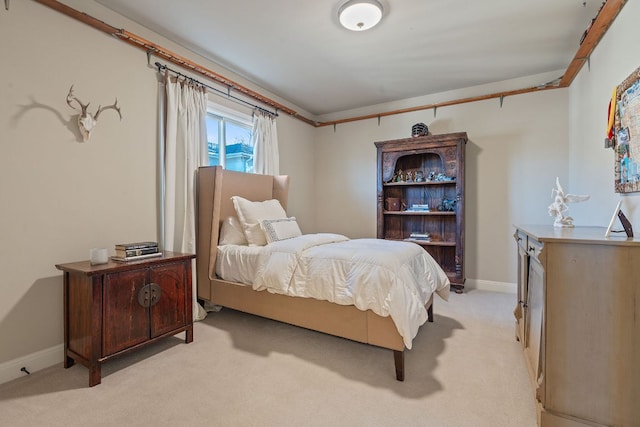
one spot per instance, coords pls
(559, 205)
(448, 205)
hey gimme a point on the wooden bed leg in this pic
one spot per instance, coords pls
(430, 313)
(398, 357)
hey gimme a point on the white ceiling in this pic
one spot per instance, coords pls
(297, 50)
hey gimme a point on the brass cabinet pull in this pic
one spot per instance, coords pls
(156, 293)
(149, 295)
(143, 296)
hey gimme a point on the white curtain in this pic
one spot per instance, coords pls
(183, 110)
(266, 159)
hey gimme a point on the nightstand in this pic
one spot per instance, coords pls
(114, 308)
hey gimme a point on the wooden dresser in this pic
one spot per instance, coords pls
(578, 320)
(114, 308)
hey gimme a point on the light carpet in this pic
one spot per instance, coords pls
(465, 369)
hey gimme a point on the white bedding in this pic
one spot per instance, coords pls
(238, 263)
(390, 278)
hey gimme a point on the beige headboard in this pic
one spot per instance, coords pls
(215, 186)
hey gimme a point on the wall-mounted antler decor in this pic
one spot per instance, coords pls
(87, 121)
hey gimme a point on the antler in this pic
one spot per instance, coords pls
(71, 97)
(114, 106)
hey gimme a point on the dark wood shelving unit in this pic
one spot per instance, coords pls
(439, 155)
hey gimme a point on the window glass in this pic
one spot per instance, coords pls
(236, 153)
(238, 144)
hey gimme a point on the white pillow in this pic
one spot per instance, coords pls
(280, 229)
(231, 232)
(251, 214)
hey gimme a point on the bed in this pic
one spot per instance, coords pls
(215, 188)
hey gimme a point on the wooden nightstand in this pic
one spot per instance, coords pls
(114, 308)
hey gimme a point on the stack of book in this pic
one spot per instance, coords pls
(136, 250)
(418, 208)
(425, 237)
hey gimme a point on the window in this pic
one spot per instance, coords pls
(234, 129)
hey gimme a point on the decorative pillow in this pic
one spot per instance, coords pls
(231, 232)
(251, 213)
(280, 229)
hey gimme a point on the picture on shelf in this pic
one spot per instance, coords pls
(617, 214)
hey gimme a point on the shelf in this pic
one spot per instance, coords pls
(442, 155)
(409, 184)
(413, 213)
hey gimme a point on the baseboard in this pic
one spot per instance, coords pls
(488, 285)
(32, 362)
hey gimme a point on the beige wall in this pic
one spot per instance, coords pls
(61, 197)
(591, 165)
(512, 158)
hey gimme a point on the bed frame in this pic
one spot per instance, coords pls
(215, 188)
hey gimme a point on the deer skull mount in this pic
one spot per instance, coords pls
(87, 121)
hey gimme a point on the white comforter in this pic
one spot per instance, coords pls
(388, 277)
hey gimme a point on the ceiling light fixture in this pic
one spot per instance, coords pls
(360, 15)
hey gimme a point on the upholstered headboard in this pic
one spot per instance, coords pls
(215, 187)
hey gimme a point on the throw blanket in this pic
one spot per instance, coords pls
(390, 278)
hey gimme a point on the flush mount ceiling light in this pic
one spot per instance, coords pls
(360, 15)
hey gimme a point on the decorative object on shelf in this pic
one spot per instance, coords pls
(424, 237)
(98, 256)
(393, 204)
(418, 207)
(419, 129)
(626, 224)
(448, 205)
(440, 177)
(360, 15)
(136, 251)
(409, 176)
(559, 205)
(87, 121)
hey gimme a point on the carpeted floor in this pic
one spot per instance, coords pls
(465, 369)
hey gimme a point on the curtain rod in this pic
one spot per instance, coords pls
(217, 91)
